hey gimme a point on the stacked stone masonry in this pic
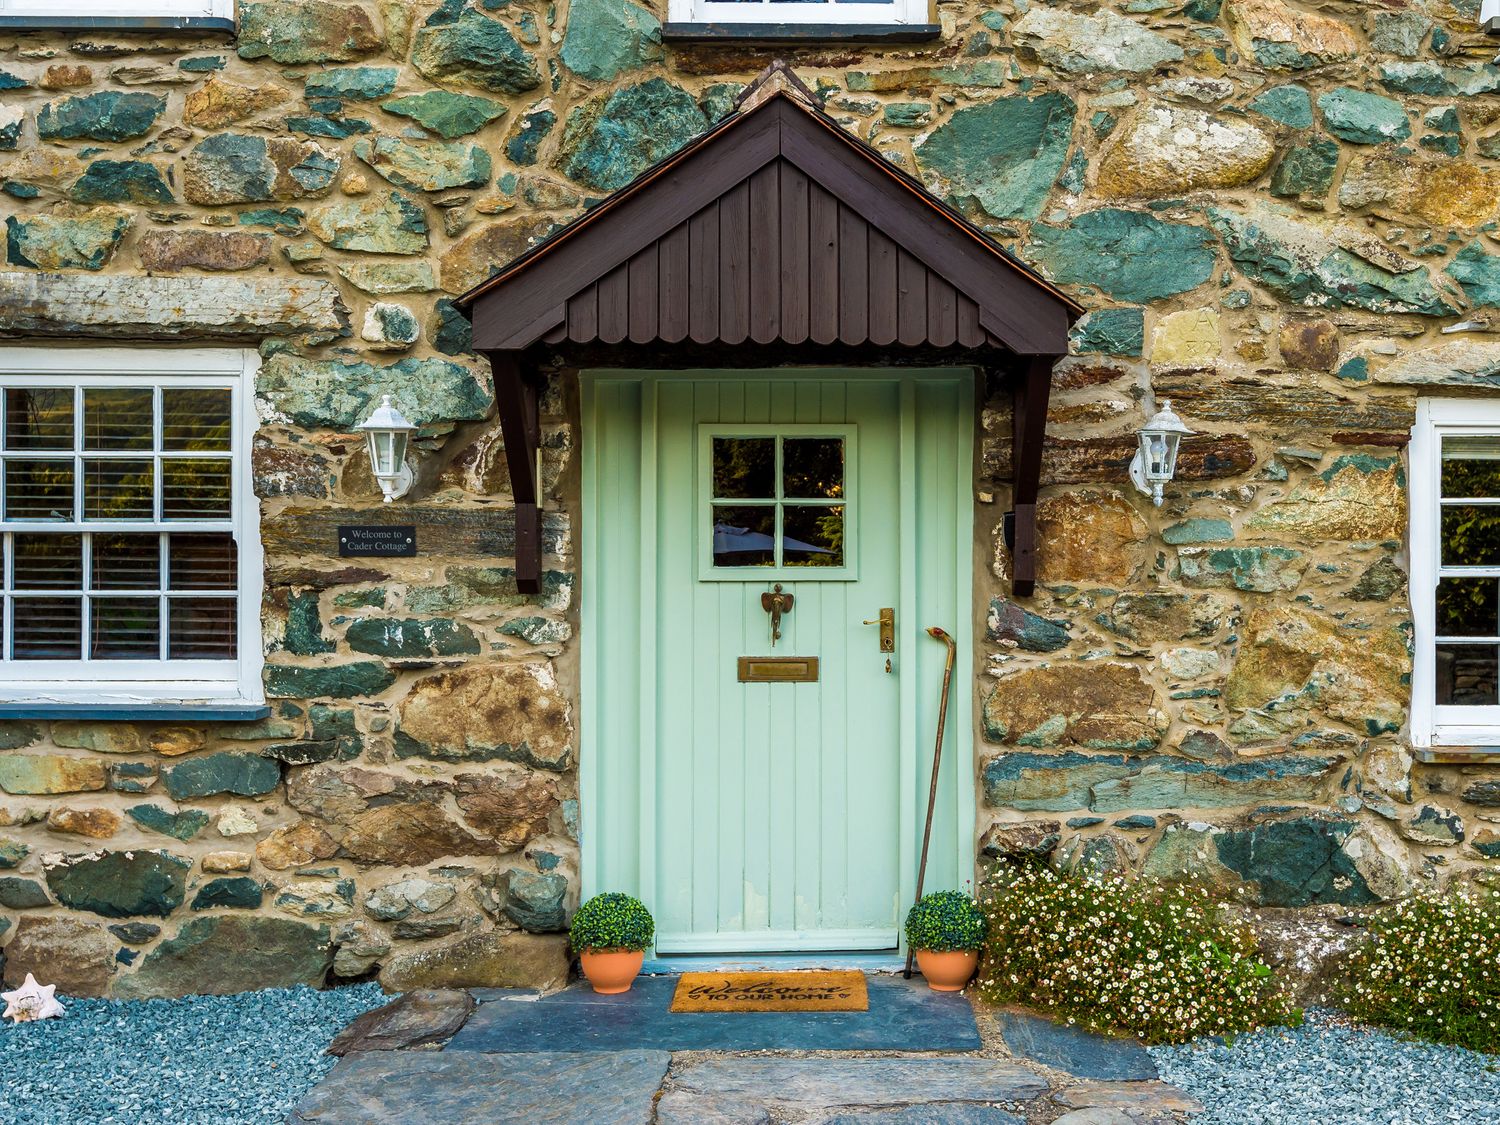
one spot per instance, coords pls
(1271, 208)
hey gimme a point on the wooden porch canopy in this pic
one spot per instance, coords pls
(775, 229)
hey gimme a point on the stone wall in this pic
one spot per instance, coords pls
(1272, 208)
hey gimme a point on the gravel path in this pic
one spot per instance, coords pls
(1330, 1072)
(204, 1060)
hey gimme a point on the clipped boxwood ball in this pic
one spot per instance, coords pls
(945, 922)
(612, 921)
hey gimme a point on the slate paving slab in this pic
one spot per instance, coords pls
(739, 1090)
(1079, 1052)
(443, 1088)
(414, 1019)
(953, 1113)
(903, 1016)
(1127, 1095)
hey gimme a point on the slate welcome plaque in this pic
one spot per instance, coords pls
(363, 541)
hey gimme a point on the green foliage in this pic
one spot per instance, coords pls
(1432, 968)
(612, 921)
(945, 921)
(1159, 960)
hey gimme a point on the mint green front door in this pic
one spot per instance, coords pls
(759, 792)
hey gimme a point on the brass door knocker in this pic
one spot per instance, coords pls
(776, 603)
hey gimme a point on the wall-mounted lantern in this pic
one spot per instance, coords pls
(1156, 460)
(1489, 16)
(387, 432)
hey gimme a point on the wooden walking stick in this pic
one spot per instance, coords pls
(937, 758)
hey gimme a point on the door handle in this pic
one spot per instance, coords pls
(887, 623)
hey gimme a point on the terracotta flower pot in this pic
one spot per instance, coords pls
(947, 972)
(611, 971)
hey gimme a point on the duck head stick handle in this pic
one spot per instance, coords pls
(937, 758)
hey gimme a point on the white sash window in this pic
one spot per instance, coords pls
(86, 11)
(130, 563)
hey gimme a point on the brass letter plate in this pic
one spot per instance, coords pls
(778, 669)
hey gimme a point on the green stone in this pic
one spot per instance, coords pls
(468, 587)
(245, 775)
(239, 168)
(1306, 169)
(355, 83)
(475, 49)
(535, 902)
(527, 136)
(132, 777)
(324, 898)
(12, 852)
(1127, 254)
(411, 638)
(121, 884)
(1478, 272)
(304, 626)
(120, 181)
(1288, 105)
(385, 278)
(1111, 331)
(316, 125)
(22, 894)
(605, 38)
(611, 138)
(1031, 782)
(1258, 569)
(537, 630)
(238, 892)
(425, 165)
(222, 954)
(1379, 582)
(375, 224)
(1295, 260)
(1198, 531)
(364, 599)
(308, 752)
(1170, 783)
(106, 116)
(59, 242)
(907, 115)
(1399, 33)
(203, 64)
(1002, 157)
(718, 99)
(1007, 621)
(46, 774)
(1435, 80)
(9, 81)
(452, 332)
(257, 731)
(16, 734)
(447, 114)
(305, 31)
(1363, 118)
(1296, 862)
(327, 722)
(183, 825)
(338, 395)
(285, 221)
(336, 681)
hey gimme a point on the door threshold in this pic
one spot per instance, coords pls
(865, 960)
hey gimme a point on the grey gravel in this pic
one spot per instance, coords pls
(1329, 1071)
(202, 1060)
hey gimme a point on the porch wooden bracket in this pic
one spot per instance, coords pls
(1030, 392)
(518, 396)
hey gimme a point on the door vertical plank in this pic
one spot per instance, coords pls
(755, 732)
(730, 599)
(706, 654)
(910, 635)
(646, 599)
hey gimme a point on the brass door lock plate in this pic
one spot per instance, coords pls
(887, 623)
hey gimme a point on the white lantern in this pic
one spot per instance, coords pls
(386, 434)
(1489, 16)
(1156, 460)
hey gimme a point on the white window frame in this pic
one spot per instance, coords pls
(87, 10)
(174, 682)
(897, 13)
(1433, 725)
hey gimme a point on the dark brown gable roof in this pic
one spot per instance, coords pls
(774, 226)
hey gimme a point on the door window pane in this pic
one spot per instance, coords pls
(1466, 675)
(38, 418)
(812, 468)
(202, 629)
(126, 562)
(195, 418)
(48, 562)
(118, 417)
(39, 490)
(117, 489)
(125, 628)
(744, 468)
(195, 488)
(813, 535)
(47, 628)
(744, 535)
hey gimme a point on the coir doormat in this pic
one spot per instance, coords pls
(840, 990)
